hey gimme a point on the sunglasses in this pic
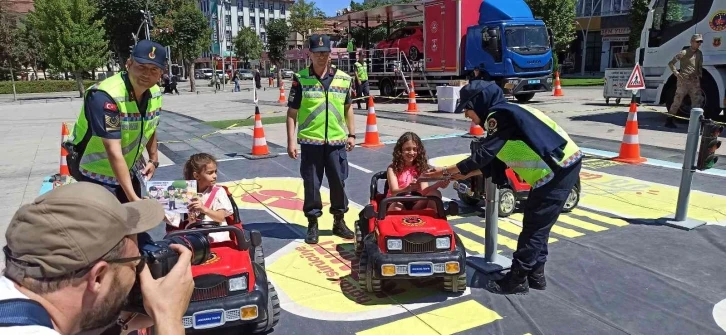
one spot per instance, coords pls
(699, 42)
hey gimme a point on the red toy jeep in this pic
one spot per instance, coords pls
(230, 289)
(407, 244)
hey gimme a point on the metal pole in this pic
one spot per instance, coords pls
(681, 219)
(168, 60)
(491, 215)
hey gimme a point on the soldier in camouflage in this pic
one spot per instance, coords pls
(689, 77)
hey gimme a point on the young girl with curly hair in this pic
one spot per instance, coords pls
(409, 161)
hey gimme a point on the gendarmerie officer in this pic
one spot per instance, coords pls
(540, 152)
(320, 118)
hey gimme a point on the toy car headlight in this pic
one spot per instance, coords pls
(443, 243)
(394, 244)
(238, 283)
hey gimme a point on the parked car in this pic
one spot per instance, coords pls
(287, 73)
(245, 74)
(408, 40)
(221, 73)
(207, 73)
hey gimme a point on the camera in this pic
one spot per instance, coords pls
(160, 259)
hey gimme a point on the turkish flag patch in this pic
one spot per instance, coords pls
(111, 107)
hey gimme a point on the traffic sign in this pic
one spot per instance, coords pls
(636, 81)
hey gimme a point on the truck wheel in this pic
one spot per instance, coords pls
(273, 311)
(709, 96)
(572, 200)
(524, 97)
(366, 278)
(507, 202)
(386, 88)
(456, 283)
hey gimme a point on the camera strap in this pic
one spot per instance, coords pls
(23, 312)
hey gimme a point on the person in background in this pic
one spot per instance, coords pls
(688, 78)
(361, 80)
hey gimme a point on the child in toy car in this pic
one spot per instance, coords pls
(409, 161)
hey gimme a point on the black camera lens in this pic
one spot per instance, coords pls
(197, 243)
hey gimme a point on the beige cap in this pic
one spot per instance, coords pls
(72, 227)
(697, 37)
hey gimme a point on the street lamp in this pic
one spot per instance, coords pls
(585, 31)
(222, 36)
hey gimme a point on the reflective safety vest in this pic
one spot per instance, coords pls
(351, 47)
(136, 129)
(321, 117)
(362, 71)
(528, 164)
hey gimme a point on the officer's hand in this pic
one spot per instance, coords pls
(350, 145)
(148, 170)
(679, 75)
(292, 150)
(434, 173)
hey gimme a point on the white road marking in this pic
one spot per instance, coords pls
(359, 167)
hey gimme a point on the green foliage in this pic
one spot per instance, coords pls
(675, 12)
(376, 34)
(186, 30)
(9, 53)
(42, 86)
(306, 17)
(558, 15)
(638, 14)
(247, 45)
(73, 38)
(277, 33)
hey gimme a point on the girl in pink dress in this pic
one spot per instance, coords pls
(409, 161)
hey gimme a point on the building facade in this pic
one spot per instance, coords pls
(603, 29)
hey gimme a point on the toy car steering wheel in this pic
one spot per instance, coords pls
(202, 224)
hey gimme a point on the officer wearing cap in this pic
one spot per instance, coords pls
(118, 120)
(540, 152)
(320, 119)
(71, 259)
(688, 78)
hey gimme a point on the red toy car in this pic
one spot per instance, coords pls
(230, 289)
(408, 40)
(407, 244)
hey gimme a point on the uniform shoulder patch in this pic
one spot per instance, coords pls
(492, 125)
(110, 106)
(113, 122)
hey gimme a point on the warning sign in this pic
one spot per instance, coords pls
(636, 81)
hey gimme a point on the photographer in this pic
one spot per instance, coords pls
(69, 271)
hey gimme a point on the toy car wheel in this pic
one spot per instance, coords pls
(572, 200)
(358, 242)
(455, 284)
(259, 256)
(366, 277)
(273, 311)
(507, 202)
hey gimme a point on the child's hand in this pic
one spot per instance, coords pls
(196, 205)
(443, 184)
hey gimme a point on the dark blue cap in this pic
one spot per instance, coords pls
(319, 43)
(480, 96)
(148, 52)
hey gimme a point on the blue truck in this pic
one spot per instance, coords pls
(500, 37)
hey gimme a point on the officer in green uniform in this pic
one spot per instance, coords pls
(540, 152)
(118, 120)
(320, 118)
(361, 80)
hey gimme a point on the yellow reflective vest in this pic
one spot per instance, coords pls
(321, 117)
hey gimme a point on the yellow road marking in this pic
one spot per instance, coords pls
(599, 218)
(479, 231)
(445, 321)
(472, 245)
(514, 229)
(566, 232)
(579, 223)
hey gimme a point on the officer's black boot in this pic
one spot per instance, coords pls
(312, 235)
(514, 282)
(340, 229)
(536, 278)
(669, 122)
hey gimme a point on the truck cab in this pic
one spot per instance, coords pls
(512, 48)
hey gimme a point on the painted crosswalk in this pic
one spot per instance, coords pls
(576, 224)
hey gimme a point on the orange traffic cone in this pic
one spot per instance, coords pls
(64, 171)
(558, 87)
(259, 144)
(412, 106)
(372, 140)
(476, 129)
(282, 99)
(630, 147)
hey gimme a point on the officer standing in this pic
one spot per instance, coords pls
(118, 120)
(689, 77)
(361, 80)
(319, 111)
(540, 152)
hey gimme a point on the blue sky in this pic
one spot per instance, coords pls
(330, 6)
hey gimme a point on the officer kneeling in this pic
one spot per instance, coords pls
(540, 152)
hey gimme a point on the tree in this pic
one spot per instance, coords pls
(375, 34)
(73, 39)
(306, 17)
(8, 51)
(122, 18)
(187, 31)
(247, 45)
(638, 14)
(558, 15)
(31, 46)
(277, 34)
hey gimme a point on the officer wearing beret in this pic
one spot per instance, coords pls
(118, 120)
(540, 152)
(320, 119)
